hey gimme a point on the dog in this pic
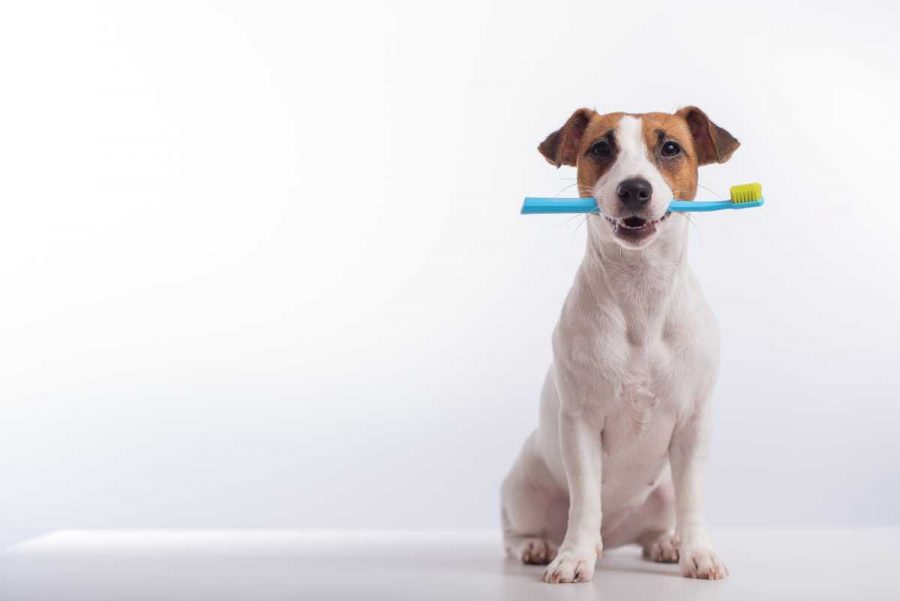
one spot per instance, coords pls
(625, 407)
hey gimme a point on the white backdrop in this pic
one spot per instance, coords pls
(263, 266)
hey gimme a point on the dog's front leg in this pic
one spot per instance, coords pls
(581, 454)
(686, 454)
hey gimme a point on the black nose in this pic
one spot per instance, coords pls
(634, 192)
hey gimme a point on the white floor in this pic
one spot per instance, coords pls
(223, 565)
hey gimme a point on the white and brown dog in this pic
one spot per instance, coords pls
(624, 417)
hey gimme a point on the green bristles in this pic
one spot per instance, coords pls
(746, 193)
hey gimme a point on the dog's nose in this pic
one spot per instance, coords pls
(634, 192)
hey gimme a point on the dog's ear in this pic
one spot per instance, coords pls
(561, 147)
(712, 143)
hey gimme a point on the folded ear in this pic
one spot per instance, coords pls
(711, 143)
(561, 147)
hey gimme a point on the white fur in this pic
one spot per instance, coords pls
(624, 417)
(633, 160)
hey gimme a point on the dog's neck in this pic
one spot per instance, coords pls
(640, 282)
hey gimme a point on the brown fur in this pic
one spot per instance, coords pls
(712, 143)
(680, 172)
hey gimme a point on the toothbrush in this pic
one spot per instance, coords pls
(743, 196)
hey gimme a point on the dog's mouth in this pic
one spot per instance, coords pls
(634, 228)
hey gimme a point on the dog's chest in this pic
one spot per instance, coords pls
(638, 364)
(643, 398)
(642, 386)
(639, 400)
(647, 371)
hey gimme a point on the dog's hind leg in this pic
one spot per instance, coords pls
(533, 509)
(657, 539)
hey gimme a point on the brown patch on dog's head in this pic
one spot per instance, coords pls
(669, 143)
(572, 143)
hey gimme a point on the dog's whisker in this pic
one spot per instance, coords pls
(569, 219)
(580, 223)
(564, 189)
(711, 191)
(691, 221)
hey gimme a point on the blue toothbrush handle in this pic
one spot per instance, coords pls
(536, 206)
(542, 206)
(691, 206)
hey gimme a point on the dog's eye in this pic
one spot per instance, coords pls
(601, 148)
(670, 149)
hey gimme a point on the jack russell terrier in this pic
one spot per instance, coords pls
(625, 409)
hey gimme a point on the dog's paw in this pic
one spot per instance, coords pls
(662, 550)
(702, 563)
(535, 551)
(571, 566)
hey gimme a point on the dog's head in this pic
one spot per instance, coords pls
(634, 165)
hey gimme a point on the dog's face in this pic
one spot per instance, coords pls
(634, 165)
